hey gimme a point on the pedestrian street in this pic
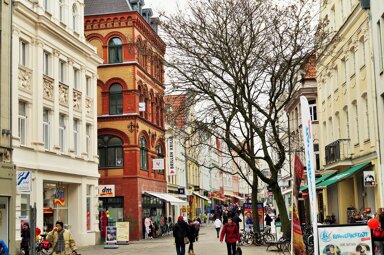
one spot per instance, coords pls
(207, 244)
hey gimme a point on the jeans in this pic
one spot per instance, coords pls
(231, 248)
(379, 247)
(180, 248)
(218, 232)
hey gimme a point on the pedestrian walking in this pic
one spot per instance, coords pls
(196, 226)
(232, 235)
(192, 236)
(268, 220)
(180, 233)
(378, 234)
(217, 224)
(62, 240)
(25, 237)
(237, 220)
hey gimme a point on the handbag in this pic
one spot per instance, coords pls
(186, 240)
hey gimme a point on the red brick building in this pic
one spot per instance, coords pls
(132, 75)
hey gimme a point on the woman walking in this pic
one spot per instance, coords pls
(232, 235)
(192, 236)
(25, 237)
(217, 226)
(180, 232)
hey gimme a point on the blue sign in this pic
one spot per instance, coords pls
(181, 191)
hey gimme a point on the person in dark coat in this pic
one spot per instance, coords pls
(268, 220)
(232, 235)
(25, 237)
(180, 230)
(236, 219)
(192, 236)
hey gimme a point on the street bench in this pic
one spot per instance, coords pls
(282, 245)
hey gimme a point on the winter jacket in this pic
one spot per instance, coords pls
(231, 232)
(180, 230)
(192, 233)
(70, 244)
(25, 237)
(218, 223)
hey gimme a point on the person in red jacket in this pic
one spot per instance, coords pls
(232, 235)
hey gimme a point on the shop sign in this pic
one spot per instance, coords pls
(59, 196)
(181, 191)
(158, 164)
(106, 190)
(24, 181)
(142, 107)
(345, 239)
(122, 232)
(369, 179)
(171, 157)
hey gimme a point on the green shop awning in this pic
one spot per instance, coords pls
(340, 176)
(318, 180)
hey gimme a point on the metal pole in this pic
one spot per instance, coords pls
(32, 239)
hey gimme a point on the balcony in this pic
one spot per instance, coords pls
(337, 151)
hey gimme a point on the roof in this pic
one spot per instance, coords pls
(98, 7)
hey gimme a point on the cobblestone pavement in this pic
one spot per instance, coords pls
(208, 244)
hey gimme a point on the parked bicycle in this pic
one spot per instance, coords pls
(248, 237)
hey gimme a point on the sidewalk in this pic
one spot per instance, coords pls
(208, 244)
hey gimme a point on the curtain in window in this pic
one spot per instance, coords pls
(115, 51)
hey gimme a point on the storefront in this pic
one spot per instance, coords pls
(161, 204)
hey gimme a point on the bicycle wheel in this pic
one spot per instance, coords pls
(258, 240)
(268, 238)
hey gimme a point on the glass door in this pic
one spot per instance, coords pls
(4, 219)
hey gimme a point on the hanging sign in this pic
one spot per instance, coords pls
(24, 182)
(106, 190)
(171, 157)
(369, 179)
(158, 164)
(142, 107)
(59, 196)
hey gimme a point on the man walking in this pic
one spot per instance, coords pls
(180, 232)
(62, 240)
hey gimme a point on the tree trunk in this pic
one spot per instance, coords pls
(280, 202)
(255, 213)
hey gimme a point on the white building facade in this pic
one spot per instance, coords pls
(54, 124)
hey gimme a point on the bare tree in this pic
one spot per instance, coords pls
(240, 60)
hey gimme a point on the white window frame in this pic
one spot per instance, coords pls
(76, 78)
(88, 140)
(22, 122)
(46, 5)
(76, 136)
(62, 130)
(46, 62)
(46, 129)
(75, 18)
(356, 113)
(367, 132)
(88, 83)
(312, 108)
(23, 48)
(62, 67)
(61, 11)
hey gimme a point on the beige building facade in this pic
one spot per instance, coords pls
(54, 124)
(346, 101)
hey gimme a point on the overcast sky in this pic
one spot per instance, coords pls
(168, 6)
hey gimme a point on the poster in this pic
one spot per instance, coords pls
(345, 240)
(260, 210)
(369, 179)
(24, 183)
(111, 234)
(122, 232)
(310, 163)
(249, 221)
(298, 246)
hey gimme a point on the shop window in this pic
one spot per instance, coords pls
(143, 154)
(115, 207)
(110, 151)
(89, 207)
(115, 99)
(115, 51)
(55, 204)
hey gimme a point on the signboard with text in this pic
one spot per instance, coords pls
(171, 157)
(122, 232)
(345, 239)
(24, 181)
(106, 190)
(158, 164)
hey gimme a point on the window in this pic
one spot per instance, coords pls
(88, 140)
(313, 110)
(89, 207)
(380, 44)
(46, 58)
(115, 99)
(346, 117)
(330, 127)
(367, 133)
(352, 62)
(61, 71)
(160, 154)
(76, 136)
(46, 130)
(23, 123)
(115, 50)
(46, 5)
(110, 151)
(362, 52)
(356, 115)
(62, 133)
(344, 70)
(337, 124)
(23, 53)
(74, 18)
(61, 10)
(88, 86)
(143, 153)
(76, 78)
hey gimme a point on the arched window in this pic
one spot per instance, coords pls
(160, 154)
(75, 17)
(143, 154)
(115, 50)
(110, 151)
(115, 99)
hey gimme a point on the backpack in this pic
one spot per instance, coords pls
(378, 233)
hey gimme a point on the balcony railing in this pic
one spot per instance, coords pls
(337, 151)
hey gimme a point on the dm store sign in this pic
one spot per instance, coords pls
(345, 240)
(106, 190)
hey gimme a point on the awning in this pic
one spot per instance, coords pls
(340, 176)
(167, 197)
(220, 199)
(235, 196)
(318, 180)
(201, 196)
